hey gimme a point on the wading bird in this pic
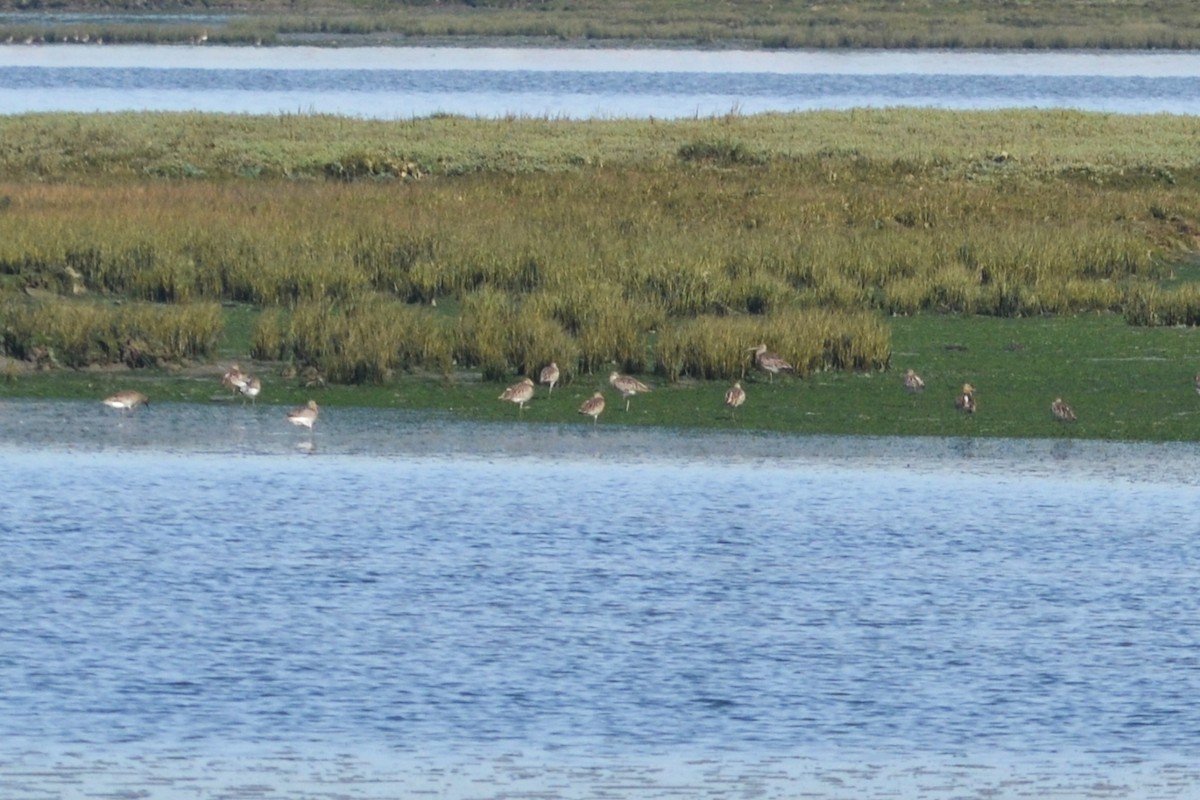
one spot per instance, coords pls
(965, 402)
(734, 397)
(305, 416)
(520, 393)
(251, 387)
(549, 375)
(772, 363)
(593, 407)
(233, 379)
(913, 382)
(627, 385)
(1061, 411)
(127, 400)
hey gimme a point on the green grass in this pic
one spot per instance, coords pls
(1123, 382)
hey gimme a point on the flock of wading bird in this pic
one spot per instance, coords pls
(236, 381)
(522, 391)
(770, 363)
(965, 400)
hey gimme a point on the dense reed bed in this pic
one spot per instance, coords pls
(866, 23)
(528, 257)
(445, 247)
(78, 334)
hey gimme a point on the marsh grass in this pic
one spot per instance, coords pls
(715, 348)
(363, 342)
(1103, 24)
(829, 147)
(80, 334)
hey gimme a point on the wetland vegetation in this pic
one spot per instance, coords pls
(428, 262)
(1026, 24)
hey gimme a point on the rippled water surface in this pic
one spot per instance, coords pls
(200, 601)
(402, 82)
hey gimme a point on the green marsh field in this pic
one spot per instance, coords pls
(429, 263)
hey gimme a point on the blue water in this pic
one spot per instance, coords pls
(408, 82)
(537, 599)
(801, 89)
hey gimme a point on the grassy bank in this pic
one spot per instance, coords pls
(1123, 382)
(430, 262)
(1040, 24)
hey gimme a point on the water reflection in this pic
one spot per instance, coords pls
(225, 429)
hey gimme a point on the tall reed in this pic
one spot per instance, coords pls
(77, 334)
(363, 341)
(718, 348)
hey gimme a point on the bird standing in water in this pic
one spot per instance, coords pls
(305, 416)
(127, 400)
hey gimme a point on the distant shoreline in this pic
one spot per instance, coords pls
(1171, 25)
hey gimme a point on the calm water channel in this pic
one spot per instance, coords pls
(201, 602)
(410, 82)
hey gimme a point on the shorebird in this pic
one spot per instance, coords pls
(233, 379)
(913, 382)
(773, 363)
(1061, 411)
(593, 407)
(734, 397)
(965, 402)
(311, 378)
(127, 400)
(305, 416)
(627, 385)
(251, 387)
(1196, 383)
(520, 393)
(549, 375)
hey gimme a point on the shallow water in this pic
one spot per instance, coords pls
(199, 601)
(399, 82)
